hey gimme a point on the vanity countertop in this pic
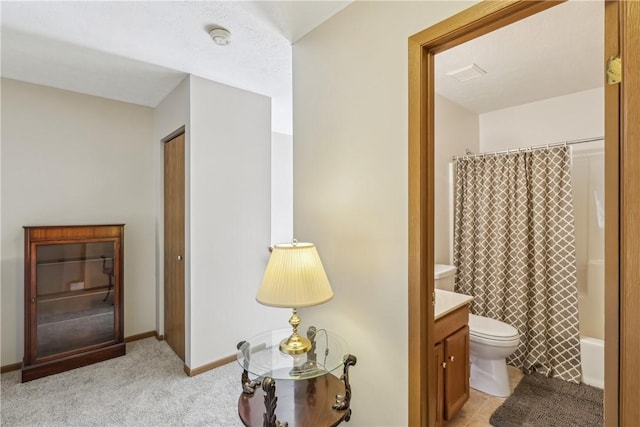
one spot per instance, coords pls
(446, 302)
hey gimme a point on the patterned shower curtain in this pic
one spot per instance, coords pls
(514, 249)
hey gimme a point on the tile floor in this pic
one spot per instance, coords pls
(478, 409)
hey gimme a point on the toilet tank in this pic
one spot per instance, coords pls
(445, 277)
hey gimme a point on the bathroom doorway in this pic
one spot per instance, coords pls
(620, 268)
(489, 128)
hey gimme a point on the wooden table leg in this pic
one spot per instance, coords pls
(270, 403)
(342, 402)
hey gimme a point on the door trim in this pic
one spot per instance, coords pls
(173, 134)
(160, 303)
(613, 209)
(179, 345)
(629, 212)
(620, 132)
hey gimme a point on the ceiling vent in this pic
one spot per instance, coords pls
(467, 73)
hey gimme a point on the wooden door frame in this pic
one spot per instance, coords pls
(628, 126)
(622, 265)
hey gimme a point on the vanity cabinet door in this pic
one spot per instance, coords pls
(456, 373)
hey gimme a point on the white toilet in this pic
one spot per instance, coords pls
(490, 342)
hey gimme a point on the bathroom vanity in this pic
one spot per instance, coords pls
(451, 347)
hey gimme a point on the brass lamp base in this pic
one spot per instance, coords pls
(295, 344)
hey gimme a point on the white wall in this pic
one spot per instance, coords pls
(170, 115)
(456, 129)
(108, 158)
(231, 193)
(281, 188)
(350, 187)
(230, 181)
(69, 158)
(576, 116)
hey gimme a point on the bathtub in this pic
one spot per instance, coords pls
(592, 355)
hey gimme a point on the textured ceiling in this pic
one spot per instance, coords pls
(138, 51)
(553, 53)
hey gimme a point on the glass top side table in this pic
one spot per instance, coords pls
(262, 357)
(308, 394)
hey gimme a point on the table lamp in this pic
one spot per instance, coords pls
(294, 278)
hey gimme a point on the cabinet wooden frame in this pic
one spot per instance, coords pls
(36, 365)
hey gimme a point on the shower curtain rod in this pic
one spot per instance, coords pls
(533, 147)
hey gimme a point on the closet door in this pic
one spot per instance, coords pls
(174, 244)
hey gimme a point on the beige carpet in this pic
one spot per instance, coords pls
(539, 401)
(147, 387)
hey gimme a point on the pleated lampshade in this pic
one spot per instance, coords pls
(294, 277)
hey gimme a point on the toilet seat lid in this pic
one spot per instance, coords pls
(493, 329)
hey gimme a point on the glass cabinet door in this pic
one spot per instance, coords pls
(75, 296)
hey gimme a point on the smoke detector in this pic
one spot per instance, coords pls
(467, 73)
(220, 36)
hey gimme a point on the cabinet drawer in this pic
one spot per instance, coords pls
(450, 323)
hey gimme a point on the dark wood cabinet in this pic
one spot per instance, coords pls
(452, 363)
(73, 289)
